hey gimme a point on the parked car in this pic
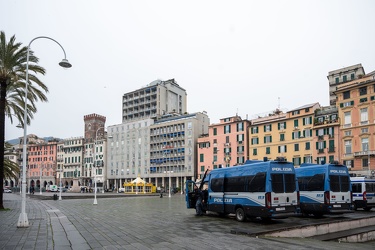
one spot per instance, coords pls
(63, 189)
(7, 190)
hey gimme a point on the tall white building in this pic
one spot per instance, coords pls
(153, 101)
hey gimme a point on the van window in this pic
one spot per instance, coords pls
(257, 183)
(311, 183)
(283, 183)
(357, 188)
(339, 183)
(370, 187)
(234, 184)
(217, 184)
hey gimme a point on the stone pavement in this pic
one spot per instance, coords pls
(147, 222)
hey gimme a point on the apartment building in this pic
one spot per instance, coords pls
(128, 152)
(41, 164)
(327, 135)
(153, 101)
(341, 76)
(70, 161)
(173, 151)
(288, 135)
(355, 102)
(226, 144)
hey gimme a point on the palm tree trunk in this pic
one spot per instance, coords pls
(3, 87)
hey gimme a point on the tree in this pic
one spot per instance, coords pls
(11, 169)
(13, 60)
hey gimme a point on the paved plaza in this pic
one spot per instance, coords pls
(148, 222)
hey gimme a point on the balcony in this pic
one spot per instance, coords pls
(321, 150)
(331, 149)
(364, 153)
(321, 137)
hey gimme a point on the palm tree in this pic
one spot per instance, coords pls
(11, 169)
(13, 59)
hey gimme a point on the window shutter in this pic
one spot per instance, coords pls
(278, 126)
(285, 148)
(278, 149)
(284, 125)
(264, 128)
(270, 127)
(317, 145)
(303, 121)
(352, 102)
(310, 119)
(325, 145)
(316, 132)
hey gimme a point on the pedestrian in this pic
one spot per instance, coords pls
(199, 201)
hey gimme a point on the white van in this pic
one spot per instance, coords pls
(52, 188)
(363, 189)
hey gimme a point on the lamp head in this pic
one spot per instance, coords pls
(65, 63)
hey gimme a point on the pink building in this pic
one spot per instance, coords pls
(225, 145)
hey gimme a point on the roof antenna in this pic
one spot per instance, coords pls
(278, 105)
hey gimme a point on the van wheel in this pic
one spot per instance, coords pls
(240, 214)
(367, 208)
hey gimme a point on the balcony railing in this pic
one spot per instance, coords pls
(364, 153)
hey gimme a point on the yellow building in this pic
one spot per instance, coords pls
(288, 135)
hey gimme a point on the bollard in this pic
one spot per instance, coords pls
(55, 197)
(161, 195)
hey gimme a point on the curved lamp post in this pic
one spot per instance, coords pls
(23, 220)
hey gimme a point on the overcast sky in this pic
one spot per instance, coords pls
(232, 57)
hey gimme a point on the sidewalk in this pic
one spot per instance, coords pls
(147, 222)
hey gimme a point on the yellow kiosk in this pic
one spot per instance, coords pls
(139, 186)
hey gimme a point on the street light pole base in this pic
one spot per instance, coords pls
(23, 221)
(95, 202)
(60, 198)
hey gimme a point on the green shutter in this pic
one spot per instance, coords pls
(264, 128)
(292, 135)
(278, 126)
(270, 127)
(271, 138)
(303, 121)
(284, 125)
(317, 145)
(278, 149)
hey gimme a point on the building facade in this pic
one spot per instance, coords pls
(341, 76)
(355, 102)
(288, 135)
(226, 144)
(153, 101)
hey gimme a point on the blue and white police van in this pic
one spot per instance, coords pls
(265, 189)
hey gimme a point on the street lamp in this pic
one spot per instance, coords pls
(61, 170)
(169, 195)
(40, 179)
(23, 220)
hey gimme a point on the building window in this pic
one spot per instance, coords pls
(296, 123)
(268, 150)
(348, 133)
(201, 158)
(297, 161)
(281, 125)
(268, 139)
(296, 112)
(344, 78)
(352, 76)
(307, 146)
(347, 119)
(346, 94)
(255, 151)
(296, 147)
(282, 137)
(348, 146)
(364, 116)
(215, 131)
(337, 80)
(240, 127)
(282, 149)
(364, 130)
(307, 120)
(363, 91)
(268, 128)
(254, 130)
(364, 143)
(226, 129)
(254, 141)
(202, 168)
(365, 163)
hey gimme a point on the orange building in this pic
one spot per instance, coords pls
(225, 145)
(356, 101)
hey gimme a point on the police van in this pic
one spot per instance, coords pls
(324, 189)
(363, 189)
(265, 189)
